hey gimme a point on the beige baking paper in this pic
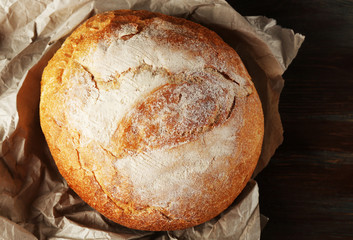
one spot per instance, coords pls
(35, 202)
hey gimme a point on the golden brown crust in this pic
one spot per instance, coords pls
(160, 155)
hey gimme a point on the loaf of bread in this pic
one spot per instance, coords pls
(152, 120)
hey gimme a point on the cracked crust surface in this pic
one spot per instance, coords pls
(152, 120)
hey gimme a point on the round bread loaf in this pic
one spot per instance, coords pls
(151, 119)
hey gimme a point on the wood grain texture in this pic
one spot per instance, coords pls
(307, 189)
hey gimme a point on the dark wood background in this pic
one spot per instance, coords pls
(307, 189)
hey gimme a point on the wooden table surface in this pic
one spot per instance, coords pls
(307, 189)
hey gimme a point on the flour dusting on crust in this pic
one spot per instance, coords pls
(160, 101)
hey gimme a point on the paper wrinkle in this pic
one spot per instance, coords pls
(11, 230)
(16, 28)
(8, 118)
(35, 202)
(11, 78)
(283, 42)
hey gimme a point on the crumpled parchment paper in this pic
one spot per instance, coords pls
(35, 201)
